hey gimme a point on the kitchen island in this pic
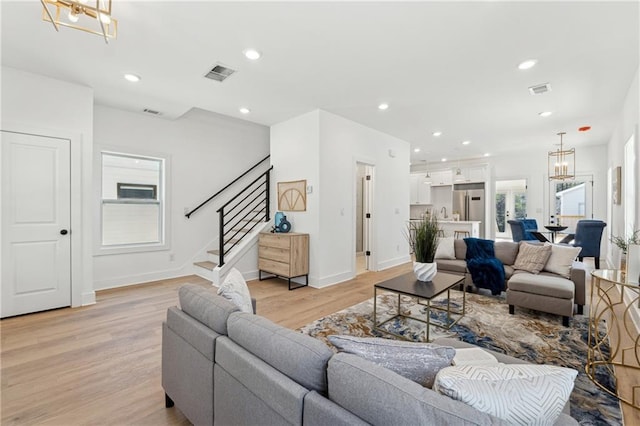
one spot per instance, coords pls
(450, 226)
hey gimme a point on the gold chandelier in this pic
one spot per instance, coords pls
(562, 163)
(92, 16)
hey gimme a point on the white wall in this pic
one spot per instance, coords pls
(627, 126)
(36, 104)
(206, 152)
(531, 164)
(295, 153)
(343, 143)
(324, 149)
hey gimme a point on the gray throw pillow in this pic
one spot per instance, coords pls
(532, 258)
(419, 362)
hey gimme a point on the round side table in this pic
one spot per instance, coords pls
(615, 345)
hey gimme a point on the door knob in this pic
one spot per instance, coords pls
(63, 232)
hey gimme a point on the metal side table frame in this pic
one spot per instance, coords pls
(611, 300)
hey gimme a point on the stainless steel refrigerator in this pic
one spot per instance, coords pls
(469, 201)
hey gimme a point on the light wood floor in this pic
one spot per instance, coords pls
(101, 364)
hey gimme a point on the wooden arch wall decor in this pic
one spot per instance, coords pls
(292, 196)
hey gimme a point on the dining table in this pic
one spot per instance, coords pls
(554, 229)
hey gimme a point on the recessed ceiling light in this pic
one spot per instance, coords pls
(132, 78)
(443, 160)
(436, 134)
(486, 154)
(252, 54)
(545, 113)
(245, 110)
(466, 142)
(383, 106)
(529, 63)
(416, 150)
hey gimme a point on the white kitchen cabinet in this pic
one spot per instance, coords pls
(475, 174)
(420, 192)
(413, 189)
(441, 178)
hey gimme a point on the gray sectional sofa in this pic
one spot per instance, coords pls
(545, 291)
(224, 367)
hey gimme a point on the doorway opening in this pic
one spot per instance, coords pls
(363, 209)
(511, 204)
(571, 201)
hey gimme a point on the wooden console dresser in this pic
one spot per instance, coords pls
(284, 255)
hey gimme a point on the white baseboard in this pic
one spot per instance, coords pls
(250, 275)
(393, 262)
(316, 282)
(89, 298)
(141, 278)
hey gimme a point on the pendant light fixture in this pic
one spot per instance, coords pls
(459, 177)
(91, 16)
(562, 162)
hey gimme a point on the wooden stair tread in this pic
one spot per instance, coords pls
(206, 265)
(216, 252)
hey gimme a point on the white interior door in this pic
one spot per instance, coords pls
(36, 216)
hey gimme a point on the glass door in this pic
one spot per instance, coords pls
(511, 203)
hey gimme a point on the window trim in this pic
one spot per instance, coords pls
(164, 200)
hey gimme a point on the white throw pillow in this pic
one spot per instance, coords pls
(445, 249)
(234, 288)
(561, 259)
(519, 394)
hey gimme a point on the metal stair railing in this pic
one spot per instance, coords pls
(251, 206)
(242, 213)
(202, 204)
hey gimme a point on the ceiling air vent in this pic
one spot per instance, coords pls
(540, 89)
(220, 73)
(152, 112)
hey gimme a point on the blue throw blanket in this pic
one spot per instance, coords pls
(486, 271)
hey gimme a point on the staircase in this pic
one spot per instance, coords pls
(240, 219)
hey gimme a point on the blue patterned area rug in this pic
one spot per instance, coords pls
(532, 336)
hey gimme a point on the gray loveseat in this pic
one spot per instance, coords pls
(546, 291)
(224, 367)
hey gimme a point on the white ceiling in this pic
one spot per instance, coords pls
(448, 66)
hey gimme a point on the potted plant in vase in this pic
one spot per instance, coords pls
(423, 239)
(623, 244)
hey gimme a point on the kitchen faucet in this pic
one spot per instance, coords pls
(444, 210)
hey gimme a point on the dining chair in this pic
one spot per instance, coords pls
(588, 236)
(521, 229)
